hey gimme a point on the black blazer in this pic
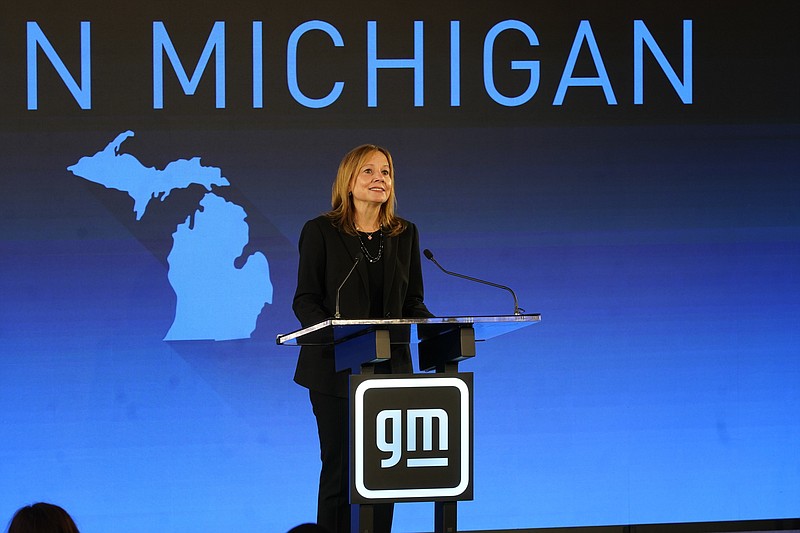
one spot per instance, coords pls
(326, 255)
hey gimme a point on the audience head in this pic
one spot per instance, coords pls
(42, 518)
(308, 528)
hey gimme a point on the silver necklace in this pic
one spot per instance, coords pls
(372, 258)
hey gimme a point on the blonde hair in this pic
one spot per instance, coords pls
(343, 212)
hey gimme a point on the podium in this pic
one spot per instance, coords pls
(410, 434)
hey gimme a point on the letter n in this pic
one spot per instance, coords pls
(36, 39)
(642, 36)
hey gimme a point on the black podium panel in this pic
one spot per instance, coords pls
(411, 437)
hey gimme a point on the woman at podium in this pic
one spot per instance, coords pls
(365, 252)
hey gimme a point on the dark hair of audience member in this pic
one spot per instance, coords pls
(308, 528)
(42, 518)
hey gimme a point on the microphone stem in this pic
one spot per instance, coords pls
(355, 264)
(517, 310)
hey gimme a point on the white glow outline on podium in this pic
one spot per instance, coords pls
(410, 382)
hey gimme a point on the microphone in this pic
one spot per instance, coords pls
(429, 255)
(355, 263)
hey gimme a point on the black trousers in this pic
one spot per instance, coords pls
(333, 499)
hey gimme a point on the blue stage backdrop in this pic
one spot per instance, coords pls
(630, 168)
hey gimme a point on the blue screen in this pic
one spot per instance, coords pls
(630, 170)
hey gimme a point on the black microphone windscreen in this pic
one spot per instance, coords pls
(428, 254)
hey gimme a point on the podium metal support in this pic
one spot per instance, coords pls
(445, 517)
(362, 518)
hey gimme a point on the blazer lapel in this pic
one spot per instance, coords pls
(354, 249)
(389, 264)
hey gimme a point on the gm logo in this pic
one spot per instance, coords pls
(394, 445)
(411, 437)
